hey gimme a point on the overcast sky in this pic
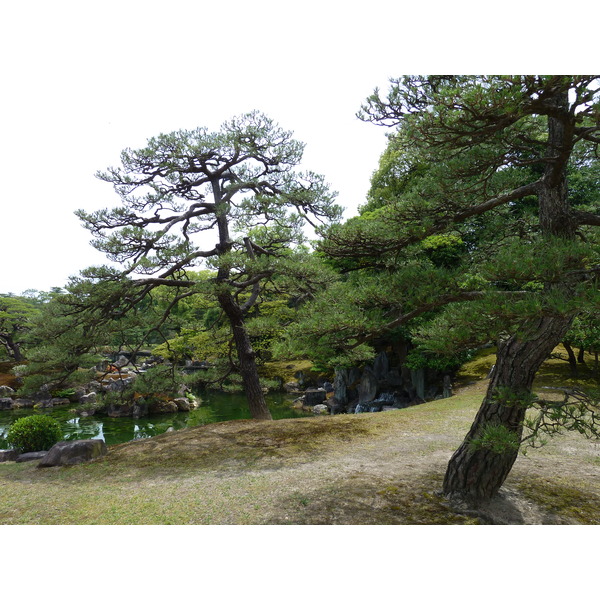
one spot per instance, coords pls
(82, 80)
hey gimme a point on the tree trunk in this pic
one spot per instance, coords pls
(478, 468)
(246, 357)
(12, 348)
(235, 315)
(572, 359)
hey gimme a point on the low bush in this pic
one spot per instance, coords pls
(34, 433)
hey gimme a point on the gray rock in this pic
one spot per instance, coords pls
(367, 389)
(182, 404)
(120, 410)
(42, 395)
(8, 455)
(47, 403)
(381, 366)
(88, 398)
(340, 386)
(60, 401)
(28, 456)
(22, 403)
(320, 409)
(5, 390)
(291, 386)
(139, 410)
(121, 361)
(6, 403)
(73, 453)
(313, 396)
(158, 408)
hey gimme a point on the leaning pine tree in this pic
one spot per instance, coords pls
(184, 197)
(485, 160)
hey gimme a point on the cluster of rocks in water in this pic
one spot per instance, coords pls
(113, 377)
(374, 388)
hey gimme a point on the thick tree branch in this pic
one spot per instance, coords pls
(586, 218)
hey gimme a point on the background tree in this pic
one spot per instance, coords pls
(16, 314)
(485, 160)
(191, 187)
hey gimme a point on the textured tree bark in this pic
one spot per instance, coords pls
(478, 472)
(12, 348)
(246, 357)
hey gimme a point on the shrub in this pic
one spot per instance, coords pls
(34, 433)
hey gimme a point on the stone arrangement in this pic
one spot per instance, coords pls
(375, 387)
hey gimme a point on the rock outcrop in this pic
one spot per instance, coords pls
(73, 453)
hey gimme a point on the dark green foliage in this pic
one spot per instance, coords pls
(417, 359)
(16, 320)
(160, 380)
(34, 433)
(496, 438)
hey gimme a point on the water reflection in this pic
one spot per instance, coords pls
(215, 407)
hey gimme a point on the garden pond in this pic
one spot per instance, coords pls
(214, 407)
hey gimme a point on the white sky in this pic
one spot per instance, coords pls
(80, 81)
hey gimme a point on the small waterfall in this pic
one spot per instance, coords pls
(384, 399)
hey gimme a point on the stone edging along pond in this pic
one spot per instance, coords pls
(62, 453)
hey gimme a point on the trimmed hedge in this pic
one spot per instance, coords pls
(34, 433)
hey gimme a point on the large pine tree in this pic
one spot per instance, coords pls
(485, 160)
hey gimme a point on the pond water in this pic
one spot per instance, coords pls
(214, 407)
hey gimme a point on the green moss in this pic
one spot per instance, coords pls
(285, 370)
(418, 504)
(563, 500)
(478, 368)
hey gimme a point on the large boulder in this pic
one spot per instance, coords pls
(291, 387)
(73, 453)
(6, 403)
(6, 390)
